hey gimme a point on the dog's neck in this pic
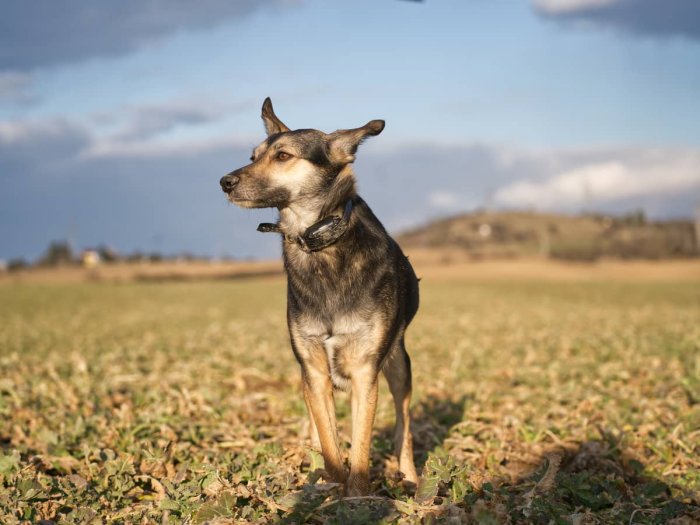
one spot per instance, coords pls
(296, 218)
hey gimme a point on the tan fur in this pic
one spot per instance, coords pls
(364, 405)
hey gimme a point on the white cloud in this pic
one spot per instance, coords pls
(151, 120)
(623, 175)
(154, 148)
(32, 132)
(656, 18)
(174, 128)
(177, 127)
(569, 6)
(443, 199)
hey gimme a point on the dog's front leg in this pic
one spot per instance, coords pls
(318, 394)
(364, 405)
(319, 391)
(313, 431)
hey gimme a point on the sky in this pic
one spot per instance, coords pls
(117, 119)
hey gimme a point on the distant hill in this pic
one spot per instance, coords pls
(509, 234)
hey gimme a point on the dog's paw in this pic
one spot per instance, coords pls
(333, 476)
(357, 485)
(407, 484)
(410, 476)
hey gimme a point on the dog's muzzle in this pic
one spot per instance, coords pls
(228, 182)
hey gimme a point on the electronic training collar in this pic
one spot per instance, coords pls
(319, 235)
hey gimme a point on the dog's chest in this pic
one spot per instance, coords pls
(350, 343)
(336, 281)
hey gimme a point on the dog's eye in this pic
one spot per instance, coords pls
(283, 156)
(252, 158)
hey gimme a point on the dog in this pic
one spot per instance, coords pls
(351, 292)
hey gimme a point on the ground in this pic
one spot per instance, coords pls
(536, 400)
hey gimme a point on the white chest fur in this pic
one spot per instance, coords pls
(350, 345)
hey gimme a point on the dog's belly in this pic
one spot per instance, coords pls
(337, 362)
(351, 345)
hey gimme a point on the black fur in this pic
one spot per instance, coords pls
(364, 271)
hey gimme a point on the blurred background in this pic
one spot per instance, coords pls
(540, 165)
(556, 128)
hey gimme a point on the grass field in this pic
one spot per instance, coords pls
(535, 401)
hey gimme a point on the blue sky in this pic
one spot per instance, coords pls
(117, 119)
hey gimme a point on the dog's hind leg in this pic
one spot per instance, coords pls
(363, 402)
(397, 370)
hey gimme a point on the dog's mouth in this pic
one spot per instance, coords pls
(243, 201)
(254, 195)
(245, 204)
(239, 200)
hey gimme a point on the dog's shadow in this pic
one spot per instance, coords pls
(597, 476)
(432, 418)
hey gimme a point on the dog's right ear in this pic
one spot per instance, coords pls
(272, 123)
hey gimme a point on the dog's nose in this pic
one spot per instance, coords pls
(228, 182)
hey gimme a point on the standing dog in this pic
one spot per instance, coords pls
(351, 292)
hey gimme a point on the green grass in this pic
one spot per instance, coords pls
(533, 402)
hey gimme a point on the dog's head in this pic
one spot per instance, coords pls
(291, 166)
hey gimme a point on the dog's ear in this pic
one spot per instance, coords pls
(272, 123)
(342, 144)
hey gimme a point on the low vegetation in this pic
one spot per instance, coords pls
(534, 402)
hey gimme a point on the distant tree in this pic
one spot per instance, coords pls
(15, 265)
(58, 253)
(634, 218)
(107, 254)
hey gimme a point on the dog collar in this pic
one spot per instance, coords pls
(319, 235)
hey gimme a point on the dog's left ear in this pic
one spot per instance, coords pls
(272, 123)
(342, 144)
